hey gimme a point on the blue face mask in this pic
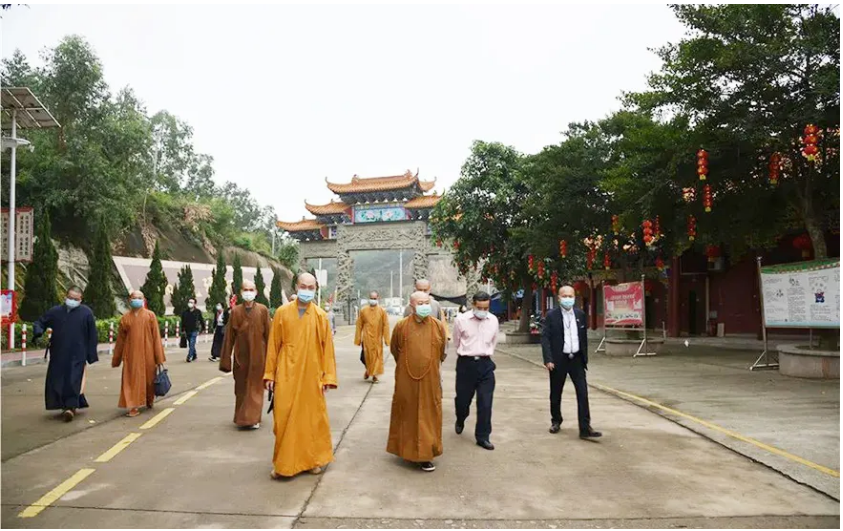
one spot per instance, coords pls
(566, 302)
(306, 295)
(481, 314)
(72, 303)
(423, 310)
(136, 303)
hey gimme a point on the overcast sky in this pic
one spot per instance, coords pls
(284, 96)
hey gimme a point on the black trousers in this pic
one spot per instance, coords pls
(476, 376)
(576, 369)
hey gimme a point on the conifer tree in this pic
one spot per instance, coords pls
(237, 282)
(40, 292)
(260, 286)
(99, 295)
(156, 284)
(217, 295)
(276, 297)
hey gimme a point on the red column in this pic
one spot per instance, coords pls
(673, 326)
(592, 293)
(544, 301)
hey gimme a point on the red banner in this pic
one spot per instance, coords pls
(623, 305)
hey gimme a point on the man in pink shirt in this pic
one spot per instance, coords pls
(475, 337)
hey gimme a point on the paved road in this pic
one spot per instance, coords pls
(194, 469)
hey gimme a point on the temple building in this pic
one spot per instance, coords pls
(366, 200)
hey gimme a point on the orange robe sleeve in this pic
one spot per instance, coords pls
(155, 335)
(358, 334)
(443, 354)
(228, 345)
(395, 341)
(273, 346)
(385, 319)
(122, 333)
(327, 359)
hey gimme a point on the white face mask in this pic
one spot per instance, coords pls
(249, 296)
(191, 305)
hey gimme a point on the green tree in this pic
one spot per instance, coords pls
(276, 296)
(217, 294)
(237, 281)
(749, 78)
(156, 284)
(40, 286)
(483, 217)
(99, 295)
(183, 291)
(260, 286)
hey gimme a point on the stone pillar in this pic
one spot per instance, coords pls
(345, 275)
(674, 327)
(420, 264)
(472, 284)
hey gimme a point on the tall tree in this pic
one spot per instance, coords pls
(40, 288)
(217, 294)
(260, 286)
(156, 284)
(287, 252)
(483, 217)
(750, 77)
(276, 296)
(237, 281)
(99, 295)
(183, 291)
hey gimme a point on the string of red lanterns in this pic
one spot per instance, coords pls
(775, 168)
(702, 164)
(563, 248)
(657, 228)
(809, 142)
(616, 224)
(707, 200)
(648, 232)
(692, 228)
(607, 262)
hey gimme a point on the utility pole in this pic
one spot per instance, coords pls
(391, 292)
(401, 276)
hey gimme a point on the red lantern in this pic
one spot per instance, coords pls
(775, 168)
(702, 164)
(530, 263)
(707, 201)
(456, 245)
(657, 228)
(648, 231)
(803, 243)
(648, 286)
(659, 263)
(712, 252)
(554, 280)
(616, 224)
(809, 142)
(563, 248)
(541, 270)
(607, 262)
(589, 259)
(692, 228)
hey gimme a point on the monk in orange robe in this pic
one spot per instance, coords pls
(415, 425)
(372, 333)
(140, 351)
(300, 367)
(246, 334)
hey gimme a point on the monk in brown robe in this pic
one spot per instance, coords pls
(246, 334)
(300, 367)
(140, 351)
(372, 333)
(415, 425)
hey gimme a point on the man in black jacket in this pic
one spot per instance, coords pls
(565, 351)
(191, 324)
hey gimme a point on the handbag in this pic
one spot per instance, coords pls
(162, 382)
(183, 341)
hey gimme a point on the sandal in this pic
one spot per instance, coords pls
(133, 412)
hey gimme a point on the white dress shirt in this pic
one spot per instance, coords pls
(572, 335)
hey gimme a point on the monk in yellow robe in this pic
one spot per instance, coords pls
(140, 351)
(372, 333)
(300, 368)
(246, 334)
(415, 425)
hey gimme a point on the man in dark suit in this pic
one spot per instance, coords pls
(565, 351)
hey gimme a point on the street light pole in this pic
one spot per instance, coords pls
(12, 216)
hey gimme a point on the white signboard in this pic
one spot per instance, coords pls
(24, 235)
(802, 295)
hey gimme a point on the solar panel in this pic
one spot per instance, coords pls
(30, 113)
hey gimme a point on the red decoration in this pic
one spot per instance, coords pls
(804, 244)
(775, 168)
(530, 263)
(712, 252)
(648, 286)
(707, 201)
(702, 164)
(616, 224)
(589, 259)
(659, 263)
(809, 142)
(607, 262)
(563, 248)
(541, 269)
(554, 281)
(657, 228)
(692, 228)
(648, 231)
(580, 286)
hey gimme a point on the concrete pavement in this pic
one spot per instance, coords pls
(194, 469)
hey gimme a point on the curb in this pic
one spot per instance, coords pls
(36, 357)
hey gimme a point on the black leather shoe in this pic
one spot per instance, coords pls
(590, 434)
(486, 444)
(554, 428)
(459, 427)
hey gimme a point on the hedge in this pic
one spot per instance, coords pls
(102, 331)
